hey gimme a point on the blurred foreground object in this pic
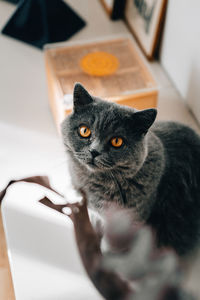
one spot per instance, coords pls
(139, 271)
(111, 69)
(38, 22)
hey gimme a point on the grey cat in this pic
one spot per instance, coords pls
(118, 154)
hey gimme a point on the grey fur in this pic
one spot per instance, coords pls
(155, 173)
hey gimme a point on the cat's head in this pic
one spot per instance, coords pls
(103, 135)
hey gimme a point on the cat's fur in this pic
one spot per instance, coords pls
(156, 172)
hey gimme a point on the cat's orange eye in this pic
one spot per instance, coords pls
(116, 142)
(84, 131)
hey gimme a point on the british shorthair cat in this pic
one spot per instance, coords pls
(118, 154)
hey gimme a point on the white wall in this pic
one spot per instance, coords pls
(180, 53)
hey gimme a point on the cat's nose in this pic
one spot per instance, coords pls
(94, 153)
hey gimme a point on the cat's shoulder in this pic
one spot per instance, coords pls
(174, 130)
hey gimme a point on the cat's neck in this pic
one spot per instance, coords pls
(141, 188)
(154, 156)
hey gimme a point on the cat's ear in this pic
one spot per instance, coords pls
(81, 96)
(144, 119)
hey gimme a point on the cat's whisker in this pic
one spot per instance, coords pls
(103, 164)
(67, 146)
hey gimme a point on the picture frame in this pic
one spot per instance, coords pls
(114, 8)
(145, 20)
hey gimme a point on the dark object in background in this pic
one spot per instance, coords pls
(38, 22)
(116, 9)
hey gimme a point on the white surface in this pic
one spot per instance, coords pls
(181, 48)
(29, 141)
